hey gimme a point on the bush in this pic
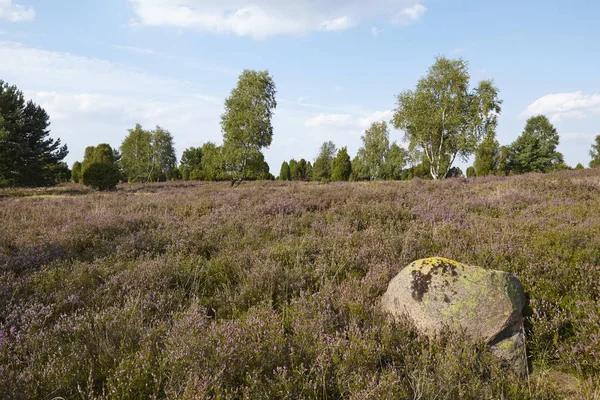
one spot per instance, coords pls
(102, 176)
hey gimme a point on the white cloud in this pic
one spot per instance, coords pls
(15, 12)
(410, 14)
(263, 18)
(92, 101)
(377, 116)
(133, 49)
(580, 136)
(328, 119)
(337, 24)
(355, 122)
(562, 106)
(375, 32)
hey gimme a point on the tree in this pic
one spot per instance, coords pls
(471, 172)
(503, 168)
(163, 159)
(136, 154)
(76, 175)
(595, 153)
(300, 172)
(28, 156)
(293, 169)
(308, 171)
(284, 173)
(246, 123)
(359, 171)
(341, 167)
(212, 162)
(486, 155)
(191, 162)
(102, 176)
(322, 167)
(535, 149)
(395, 160)
(443, 118)
(375, 144)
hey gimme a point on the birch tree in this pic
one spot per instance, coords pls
(443, 117)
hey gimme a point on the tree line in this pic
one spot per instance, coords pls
(444, 119)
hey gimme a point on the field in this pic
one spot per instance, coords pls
(271, 289)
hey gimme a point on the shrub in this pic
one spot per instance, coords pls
(102, 176)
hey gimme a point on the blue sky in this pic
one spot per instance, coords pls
(99, 67)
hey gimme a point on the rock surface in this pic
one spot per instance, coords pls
(437, 292)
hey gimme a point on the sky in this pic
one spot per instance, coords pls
(100, 67)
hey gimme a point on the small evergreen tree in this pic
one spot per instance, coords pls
(471, 172)
(284, 173)
(535, 149)
(579, 166)
(102, 176)
(341, 167)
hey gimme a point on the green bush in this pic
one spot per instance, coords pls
(102, 176)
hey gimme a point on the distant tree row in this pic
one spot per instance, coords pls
(443, 120)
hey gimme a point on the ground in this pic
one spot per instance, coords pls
(271, 289)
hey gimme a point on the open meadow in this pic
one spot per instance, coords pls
(271, 289)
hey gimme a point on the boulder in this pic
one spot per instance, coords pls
(437, 292)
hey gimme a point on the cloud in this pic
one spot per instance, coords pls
(377, 116)
(578, 136)
(409, 14)
(328, 119)
(375, 32)
(15, 12)
(263, 18)
(562, 106)
(337, 24)
(133, 49)
(348, 120)
(92, 101)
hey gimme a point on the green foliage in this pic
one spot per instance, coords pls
(471, 172)
(76, 174)
(445, 119)
(341, 167)
(308, 173)
(191, 162)
(503, 168)
(284, 173)
(595, 153)
(212, 162)
(487, 155)
(163, 158)
(579, 166)
(396, 159)
(102, 176)
(148, 155)
(359, 170)
(60, 172)
(246, 122)
(136, 150)
(376, 142)
(535, 149)
(28, 156)
(294, 169)
(322, 168)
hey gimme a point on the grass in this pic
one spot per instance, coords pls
(270, 290)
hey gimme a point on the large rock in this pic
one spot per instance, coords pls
(437, 292)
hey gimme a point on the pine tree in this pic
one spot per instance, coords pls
(28, 156)
(284, 173)
(341, 166)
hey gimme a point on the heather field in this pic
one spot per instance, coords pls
(270, 290)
